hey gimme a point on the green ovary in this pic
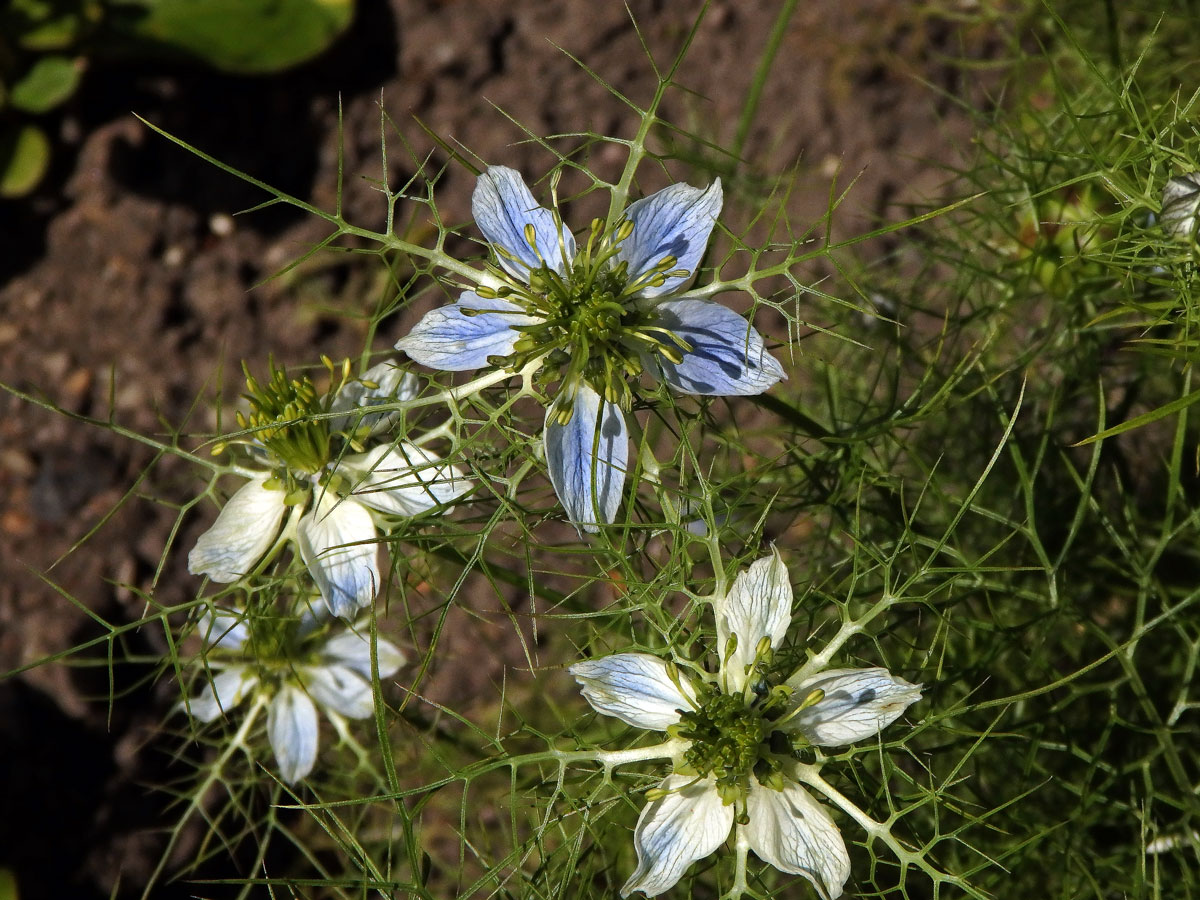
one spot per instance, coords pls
(595, 327)
(730, 742)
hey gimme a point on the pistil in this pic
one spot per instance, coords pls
(593, 325)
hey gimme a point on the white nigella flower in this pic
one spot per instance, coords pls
(301, 441)
(592, 319)
(739, 740)
(291, 666)
(1181, 205)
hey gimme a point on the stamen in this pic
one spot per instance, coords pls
(531, 240)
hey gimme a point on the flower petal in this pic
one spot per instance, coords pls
(244, 529)
(1181, 205)
(222, 693)
(503, 206)
(353, 649)
(727, 356)
(292, 731)
(858, 704)
(793, 832)
(676, 221)
(635, 688)
(223, 629)
(454, 341)
(341, 689)
(392, 383)
(404, 480)
(588, 464)
(758, 605)
(686, 824)
(337, 544)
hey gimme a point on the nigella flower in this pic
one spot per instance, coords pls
(1181, 205)
(740, 739)
(592, 319)
(300, 445)
(291, 666)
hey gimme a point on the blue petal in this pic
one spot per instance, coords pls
(292, 731)
(448, 340)
(588, 466)
(503, 206)
(727, 356)
(337, 543)
(676, 221)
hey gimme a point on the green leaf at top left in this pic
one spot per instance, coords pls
(243, 36)
(49, 81)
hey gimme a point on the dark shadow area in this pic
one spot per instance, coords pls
(267, 126)
(54, 773)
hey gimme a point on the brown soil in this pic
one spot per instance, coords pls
(129, 292)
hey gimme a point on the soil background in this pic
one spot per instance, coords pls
(130, 289)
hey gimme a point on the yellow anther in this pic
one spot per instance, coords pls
(296, 497)
(731, 646)
(814, 697)
(671, 354)
(762, 650)
(531, 235)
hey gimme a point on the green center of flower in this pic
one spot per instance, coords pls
(734, 738)
(276, 645)
(285, 416)
(594, 327)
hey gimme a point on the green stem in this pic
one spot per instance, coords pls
(819, 661)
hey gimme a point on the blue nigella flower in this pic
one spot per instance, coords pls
(592, 319)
